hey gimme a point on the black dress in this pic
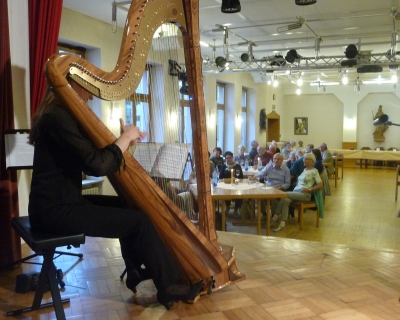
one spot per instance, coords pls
(56, 203)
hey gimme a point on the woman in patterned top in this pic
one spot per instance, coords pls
(307, 182)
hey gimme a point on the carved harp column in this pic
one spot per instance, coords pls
(197, 250)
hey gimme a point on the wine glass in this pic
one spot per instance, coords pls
(237, 172)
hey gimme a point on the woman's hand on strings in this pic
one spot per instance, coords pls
(130, 135)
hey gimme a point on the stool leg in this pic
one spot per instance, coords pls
(48, 273)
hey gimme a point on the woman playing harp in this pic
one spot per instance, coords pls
(61, 154)
(196, 250)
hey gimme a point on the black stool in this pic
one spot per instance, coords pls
(45, 245)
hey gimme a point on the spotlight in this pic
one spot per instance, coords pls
(278, 61)
(305, 2)
(292, 56)
(221, 62)
(230, 6)
(351, 51)
(245, 57)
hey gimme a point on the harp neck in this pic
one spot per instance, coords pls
(144, 17)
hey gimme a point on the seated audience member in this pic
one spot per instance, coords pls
(286, 150)
(275, 175)
(318, 160)
(322, 171)
(327, 158)
(253, 152)
(309, 148)
(308, 182)
(226, 173)
(301, 147)
(298, 166)
(263, 156)
(241, 158)
(276, 145)
(291, 160)
(192, 175)
(217, 159)
(271, 150)
(293, 145)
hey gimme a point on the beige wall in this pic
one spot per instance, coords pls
(324, 113)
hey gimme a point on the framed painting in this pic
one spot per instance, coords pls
(301, 126)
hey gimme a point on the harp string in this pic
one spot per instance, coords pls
(161, 112)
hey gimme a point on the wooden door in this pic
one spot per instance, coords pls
(273, 126)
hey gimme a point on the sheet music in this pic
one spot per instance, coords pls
(19, 154)
(163, 160)
(171, 161)
(146, 154)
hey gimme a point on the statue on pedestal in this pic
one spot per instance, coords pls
(381, 128)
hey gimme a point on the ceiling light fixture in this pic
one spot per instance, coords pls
(230, 6)
(393, 70)
(305, 2)
(320, 83)
(345, 79)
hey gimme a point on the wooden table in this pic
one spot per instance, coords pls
(382, 155)
(257, 192)
(264, 193)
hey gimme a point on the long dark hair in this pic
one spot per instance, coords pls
(48, 102)
(317, 154)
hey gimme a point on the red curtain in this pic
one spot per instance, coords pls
(44, 26)
(10, 243)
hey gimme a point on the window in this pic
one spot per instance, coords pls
(244, 117)
(185, 125)
(138, 105)
(66, 48)
(220, 115)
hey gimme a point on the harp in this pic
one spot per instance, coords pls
(196, 249)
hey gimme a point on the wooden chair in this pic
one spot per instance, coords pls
(339, 163)
(334, 174)
(392, 163)
(366, 161)
(312, 205)
(397, 181)
(379, 162)
(45, 244)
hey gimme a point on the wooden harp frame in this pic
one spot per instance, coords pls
(197, 250)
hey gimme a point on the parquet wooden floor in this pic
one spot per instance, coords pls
(288, 276)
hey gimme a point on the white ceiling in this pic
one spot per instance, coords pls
(367, 23)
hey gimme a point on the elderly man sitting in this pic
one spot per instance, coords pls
(276, 175)
(327, 158)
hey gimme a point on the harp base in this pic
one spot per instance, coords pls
(230, 276)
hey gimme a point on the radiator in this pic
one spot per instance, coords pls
(92, 190)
